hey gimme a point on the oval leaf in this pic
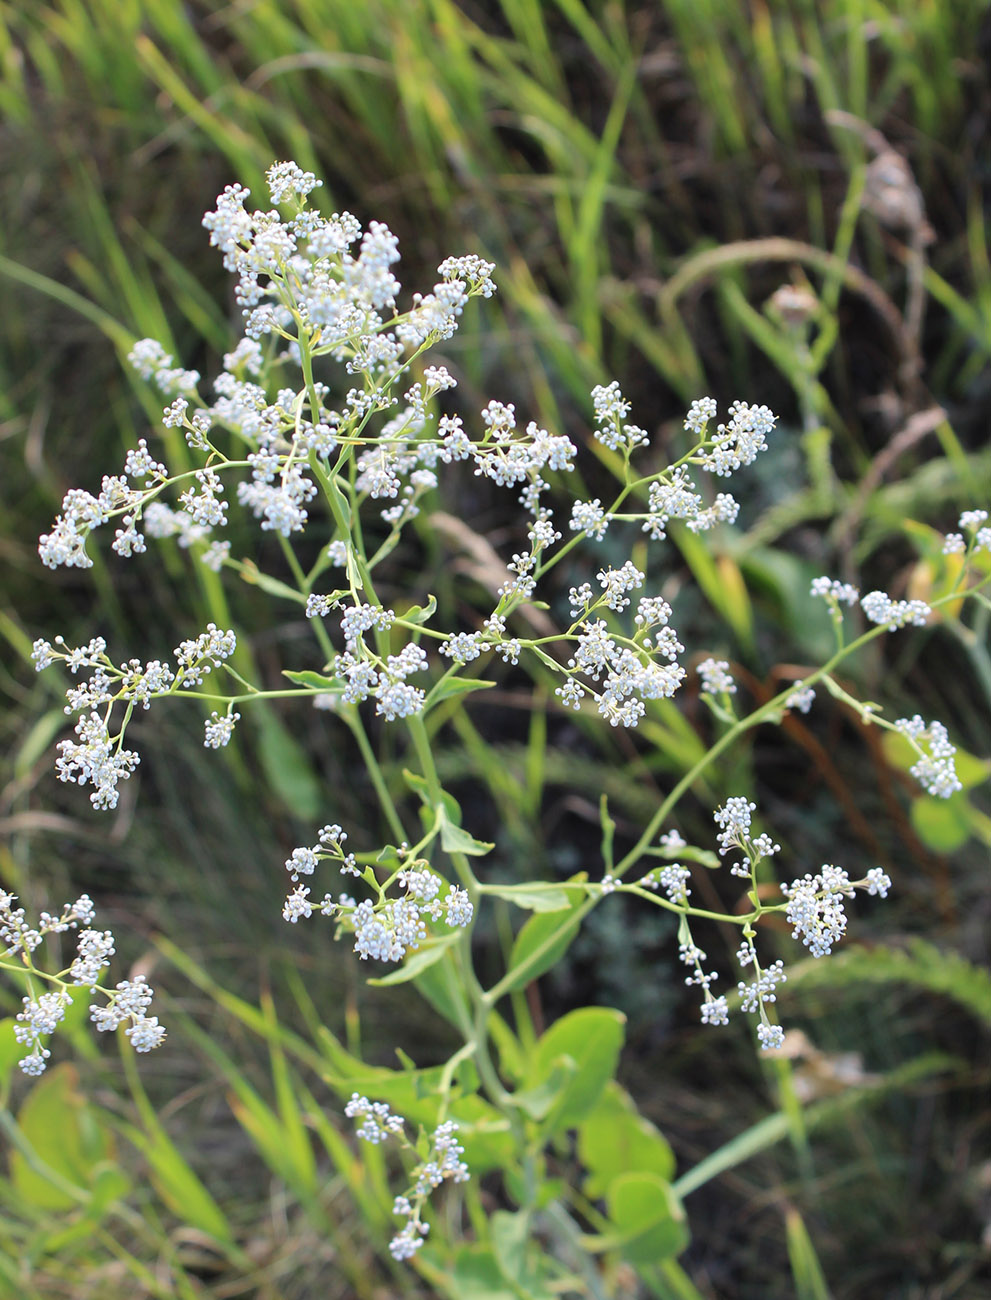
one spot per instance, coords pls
(587, 1044)
(941, 824)
(542, 942)
(614, 1139)
(649, 1218)
(419, 962)
(532, 897)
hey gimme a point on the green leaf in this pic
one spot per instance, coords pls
(921, 964)
(178, 1185)
(519, 1266)
(420, 961)
(720, 580)
(315, 680)
(649, 1218)
(11, 1050)
(36, 742)
(343, 505)
(441, 985)
(542, 942)
(614, 1139)
(420, 614)
(421, 787)
(65, 1133)
(286, 766)
(477, 1276)
(539, 1100)
(780, 580)
(587, 1044)
(509, 1238)
(810, 1283)
(484, 1133)
(455, 840)
(941, 824)
(531, 897)
(450, 686)
(110, 1184)
(252, 575)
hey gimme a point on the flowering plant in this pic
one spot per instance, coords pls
(352, 470)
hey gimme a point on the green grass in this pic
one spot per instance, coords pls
(645, 177)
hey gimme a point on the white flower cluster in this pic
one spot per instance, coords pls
(507, 457)
(673, 496)
(153, 363)
(733, 819)
(297, 276)
(814, 908)
(388, 928)
(816, 905)
(881, 609)
(935, 771)
(99, 758)
(209, 650)
(611, 409)
(41, 1014)
(364, 674)
(631, 673)
(740, 441)
(971, 521)
(801, 698)
(760, 993)
(219, 729)
(716, 677)
(442, 1164)
(673, 879)
(734, 823)
(753, 996)
(39, 1018)
(834, 591)
(590, 518)
(715, 1010)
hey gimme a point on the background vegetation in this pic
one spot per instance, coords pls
(647, 178)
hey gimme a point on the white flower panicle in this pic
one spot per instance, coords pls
(935, 770)
(754, 996)
(198, 656)
(740, 441)
(327, 285)
(716, 677)
(881, 609)
(386, 928)
(611, 409)
(801, 698)
(300, 453)
(834, 591)
(442, 1164)
(816, 908)
(975, 521)
(219, 729)
(42, 1013)
(733, 819)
